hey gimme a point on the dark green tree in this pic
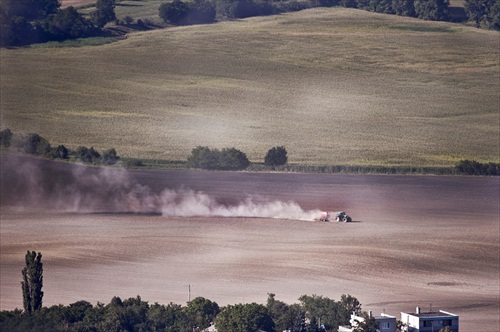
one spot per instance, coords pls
(88, 155)
(201, 12)
(202, 157)
(33, 144)
(276, 156)
(244, 318)
(29, 9)
(434, 10)
(104, 13)
(175, 12)
(348, 305)
(67, 24)
(226, 159)
(232, 159)
(32, 282)
(61, 152)
(5, 137)
(404, 7)
(18, 20)
(319, 308)
(200, 312)
(110, 157)
(484, 13)
(285, 317)
(236, 8)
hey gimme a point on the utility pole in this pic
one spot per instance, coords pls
(189, 293)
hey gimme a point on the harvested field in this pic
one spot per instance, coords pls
(415, 240)
(334, 85)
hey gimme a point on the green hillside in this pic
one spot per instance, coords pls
(333, 85)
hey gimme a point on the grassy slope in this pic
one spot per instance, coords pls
(335, 86)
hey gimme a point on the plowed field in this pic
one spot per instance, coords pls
(415, 240)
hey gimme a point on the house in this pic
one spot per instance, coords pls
(385, 323)
(431, 321)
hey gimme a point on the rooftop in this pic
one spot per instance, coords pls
(432, 314)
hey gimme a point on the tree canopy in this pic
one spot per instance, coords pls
(32, 282)
(276, 156)
(244, 318)
(214, 159)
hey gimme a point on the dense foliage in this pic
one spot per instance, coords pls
(243, 318)
(214, 159)
(32, 282)
(37, 145)
(276, 156)
(104, 13)
(472, 167)
(33, 21)
(484, 13)
(134, 314)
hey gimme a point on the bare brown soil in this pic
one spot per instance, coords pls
(415, 240)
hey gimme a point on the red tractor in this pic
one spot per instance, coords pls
(339, 216)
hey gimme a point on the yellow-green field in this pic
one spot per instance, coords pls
(334, 85)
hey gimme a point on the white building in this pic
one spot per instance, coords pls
(429, 321)
(385, 323)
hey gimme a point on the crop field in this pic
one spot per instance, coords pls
(333, 85)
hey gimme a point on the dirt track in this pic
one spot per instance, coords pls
(416, 240)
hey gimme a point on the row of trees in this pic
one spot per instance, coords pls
(472, 167)
(37, 145)
(484, 13)
(31, 21)
(134, 314)
(231, 158)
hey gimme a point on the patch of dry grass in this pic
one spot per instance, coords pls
(335, 86)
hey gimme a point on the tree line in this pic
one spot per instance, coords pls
(232, 159)
(34, 21)
(35, 144)
(312, 314)
(484, 13)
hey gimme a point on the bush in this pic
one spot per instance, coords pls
(472, 167)
(87, 155)
(276, 156)
(32, 144)
(226, 159)
(61, 152)
(67, 24)
(109, 157)
(175, 12)
(5, 137)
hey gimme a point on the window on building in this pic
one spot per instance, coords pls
(446, 322)
(385, 325)
(427, 323)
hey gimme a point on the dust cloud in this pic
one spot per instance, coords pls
(41, 184)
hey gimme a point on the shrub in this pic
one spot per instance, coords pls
(61, 152)
(109, 157)
(32, 144)
(226, 159)
(5, 137)
(175, 12)
(472, 167)
(87, 155)
(276, 156)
